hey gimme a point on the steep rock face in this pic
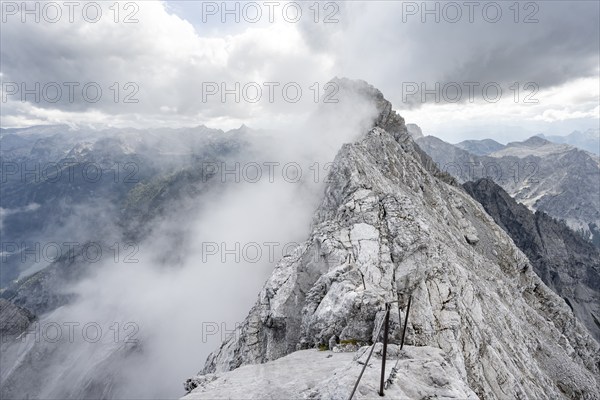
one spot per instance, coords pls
(387, 229)
(557, 179)
(567, 263)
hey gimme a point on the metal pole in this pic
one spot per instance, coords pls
(366, 363)
(385, 342)
(405, 322)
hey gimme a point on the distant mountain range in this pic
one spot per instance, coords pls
(559, 179)
(53, 175)
(480, 147)
(588, 140)
(143, 176)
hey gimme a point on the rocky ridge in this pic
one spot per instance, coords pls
(387, 229)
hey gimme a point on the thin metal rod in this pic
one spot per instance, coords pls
(386, 331)
(405, 322)
(368, 358)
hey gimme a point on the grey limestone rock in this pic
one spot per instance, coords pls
(389, 228)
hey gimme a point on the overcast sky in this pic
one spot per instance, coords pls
(174, 58)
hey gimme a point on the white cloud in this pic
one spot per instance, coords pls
(171, 52)
(167, 61)
(507, 119)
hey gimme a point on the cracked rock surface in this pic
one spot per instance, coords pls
(389, 228)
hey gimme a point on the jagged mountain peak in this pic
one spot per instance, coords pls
(415, 131)
(386, 117)
(534, 141)
(387, 229)
(357, 86)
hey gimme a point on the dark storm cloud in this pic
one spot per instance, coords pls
(387, 45)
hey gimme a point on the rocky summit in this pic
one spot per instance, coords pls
(390, 227)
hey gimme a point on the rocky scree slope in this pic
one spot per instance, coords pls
(567, 263)
(388, 228)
